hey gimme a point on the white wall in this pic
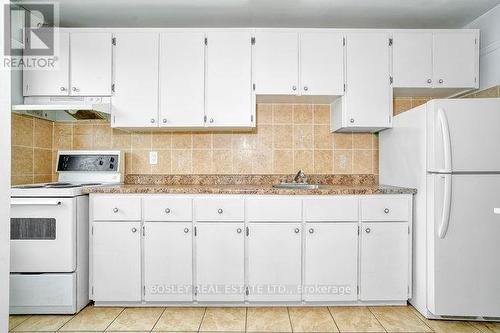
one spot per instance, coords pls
(4, 184)
(489, 70)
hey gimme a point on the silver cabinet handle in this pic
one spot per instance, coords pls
(306, 88)
(115, 210)
(440, 81)
(186, 230)
(294, 88)
(311, 231)
(297, 230)
(211, 120)
(167, 210)
(63, 89)
(220, 211)
(134, 230)
(239, 230)
(152, 120)
(164, 120)
(75, 89)
(386, 210)
(352, 120)
(368, 230)
(429, 81)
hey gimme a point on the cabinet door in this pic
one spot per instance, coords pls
(331, 262)
(220, 262)
(50, 82)
(384, 261)
(168, 261)
(229, 97)
(182, 79)
(135, 100)
(91, 60)
(368, 96)
(455, 59)
(321, 64)
(274, 262)
(116, 261)
(276, 63)
(412, 59)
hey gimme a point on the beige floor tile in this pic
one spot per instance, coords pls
(355, 319)
(311, 319)
(399, 319)
(180, 320)
(268, 319)
(15, 320)
(136, 319)
(449, 326)
(92, 319)
(224, 319)
(42, 323)
(486, 327)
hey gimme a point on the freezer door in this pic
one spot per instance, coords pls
(463, 265)
(463, 135)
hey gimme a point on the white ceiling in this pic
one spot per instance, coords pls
(272, 13)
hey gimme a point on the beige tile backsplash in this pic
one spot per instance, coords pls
(288, 137)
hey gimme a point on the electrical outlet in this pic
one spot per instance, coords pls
(153, 157)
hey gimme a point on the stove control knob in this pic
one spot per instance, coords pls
(101, 162)
(111, 166)
(115, 210)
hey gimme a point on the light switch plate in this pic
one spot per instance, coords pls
(153, 157)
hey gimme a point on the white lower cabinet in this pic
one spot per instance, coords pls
(168, 261)
(220, 259)
(384, 261)
(331, 262)
(274, 262)
(116, 257)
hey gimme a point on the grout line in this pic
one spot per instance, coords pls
(331, 315)
(246, 318)
(376, 318)
(123, 309)
(289, 318)
(28, 317)
(157, 320)
(202, 318)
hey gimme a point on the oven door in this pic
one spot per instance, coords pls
(43, 235)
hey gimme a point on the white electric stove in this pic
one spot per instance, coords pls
(49, 234)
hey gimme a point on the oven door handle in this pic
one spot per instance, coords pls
(34, 202)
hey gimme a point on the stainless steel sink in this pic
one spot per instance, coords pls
(305, 186)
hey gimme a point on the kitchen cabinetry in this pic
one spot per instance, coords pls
(135, 100)
(367, 101)
(229, 97)
(427, 59)
(182, 79)
(291, 63)
(331, 253)
(274, 261)
(84, 63)
(255, 248)
(384, 261)
(220, 261)
(116, 261)
(168, 261)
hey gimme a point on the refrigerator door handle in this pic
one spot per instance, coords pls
(445, 214)
(445, 132)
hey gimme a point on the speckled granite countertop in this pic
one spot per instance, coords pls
(247, 184)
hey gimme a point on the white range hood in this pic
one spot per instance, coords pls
(65, 108)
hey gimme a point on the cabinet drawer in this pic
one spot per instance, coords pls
(168, 209)
(384, 209)
(219, 209)
(274, 209)
(117, 208)
(331, 209)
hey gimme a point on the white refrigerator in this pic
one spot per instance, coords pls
(449, 149)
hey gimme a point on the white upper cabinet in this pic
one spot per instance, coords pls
(53, 82)
(412, 59)
(276, 63)
(455, 57)
(135, 101)
(367, 101)
(91, 63)
(321, 63)
(182, 79)
(229, 96)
